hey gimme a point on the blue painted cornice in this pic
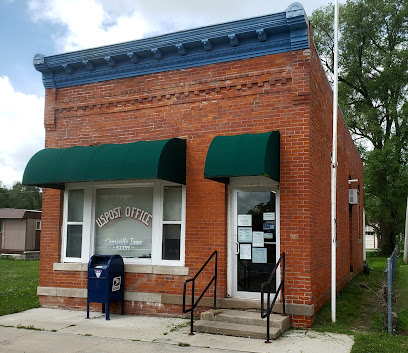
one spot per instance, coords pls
(275, 33)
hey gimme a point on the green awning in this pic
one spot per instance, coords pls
(243, 155)
(53, 167)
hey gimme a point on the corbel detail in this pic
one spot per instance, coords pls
(41, 66)
(68, 68)
(261, 35)
(133, 57)
(89, 66)
(295, 10)
(157, 53)
(111, 62)
(206, 44)
(233, 40)
(181, 49)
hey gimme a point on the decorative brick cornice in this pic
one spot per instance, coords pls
(276, 33)
(240, 84)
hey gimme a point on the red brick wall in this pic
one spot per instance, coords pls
(349, 167)
(285, 92)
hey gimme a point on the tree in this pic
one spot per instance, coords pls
(21, 196)
(4, 196)
(373, 87)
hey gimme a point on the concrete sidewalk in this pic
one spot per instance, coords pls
(64, 331)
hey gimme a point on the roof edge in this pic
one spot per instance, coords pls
(257, 36)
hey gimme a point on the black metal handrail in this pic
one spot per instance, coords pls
(194, 304)
(267, 285)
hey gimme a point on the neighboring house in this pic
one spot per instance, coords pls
(20, 230)
(371, 238)
(165, 149)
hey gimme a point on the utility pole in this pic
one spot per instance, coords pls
(334, 166)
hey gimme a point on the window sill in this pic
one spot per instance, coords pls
(129, 268)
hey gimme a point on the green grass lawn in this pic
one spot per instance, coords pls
(361, 311)
(402, 298)
(18, 285)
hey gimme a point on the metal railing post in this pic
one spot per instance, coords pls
(215, 281)
(268, 312)
(193, 302)
(389, 294)
(192, 308)
(281, 287)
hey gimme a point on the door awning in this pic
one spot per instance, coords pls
(53, 167)
(243, 155)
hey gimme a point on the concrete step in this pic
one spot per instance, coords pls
(232, 329)
(246, 317)
(241, 323)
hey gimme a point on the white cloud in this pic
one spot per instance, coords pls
(21, 119)
(86, 23)
(91, 23)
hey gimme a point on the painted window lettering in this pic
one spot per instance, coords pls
(130, 212)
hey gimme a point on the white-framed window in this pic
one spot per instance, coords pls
(173, 225)
(143, 222)
(37, 225)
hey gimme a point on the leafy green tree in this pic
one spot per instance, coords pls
(373, 87)
(3, 196)
(21, 196)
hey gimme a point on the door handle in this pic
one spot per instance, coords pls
(237, 248)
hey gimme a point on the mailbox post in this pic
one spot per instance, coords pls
(105, 281)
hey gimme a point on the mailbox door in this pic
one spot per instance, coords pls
(98, 285)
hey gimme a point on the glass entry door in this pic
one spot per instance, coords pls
(255, 225)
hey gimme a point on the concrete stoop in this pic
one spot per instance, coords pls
(241, 323)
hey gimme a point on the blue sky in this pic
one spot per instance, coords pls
(50, 27)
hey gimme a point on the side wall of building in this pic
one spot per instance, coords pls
(349, 217)
(14, 234)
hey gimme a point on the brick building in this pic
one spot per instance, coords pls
(168, 148)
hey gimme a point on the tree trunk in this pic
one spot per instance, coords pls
(387, 238)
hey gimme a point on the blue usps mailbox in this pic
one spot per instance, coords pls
(105, 281)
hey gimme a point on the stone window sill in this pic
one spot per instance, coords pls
(129, 268)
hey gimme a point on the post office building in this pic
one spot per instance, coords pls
(165, 149)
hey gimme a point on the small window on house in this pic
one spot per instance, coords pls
(172, 218)
(74, 223)
(37, 225)
(1, 226)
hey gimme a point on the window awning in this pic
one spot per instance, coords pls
(243, 155)
(53, 167)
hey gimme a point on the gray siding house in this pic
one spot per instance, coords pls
(20, 230)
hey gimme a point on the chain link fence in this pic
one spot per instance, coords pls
(391, 272)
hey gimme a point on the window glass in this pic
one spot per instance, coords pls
(74, 240)
(75, 205)
(172, 203)
(123, 222)
(171, 241)
(74, 223)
